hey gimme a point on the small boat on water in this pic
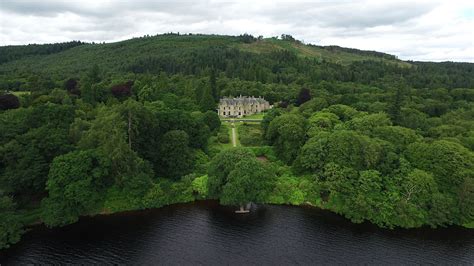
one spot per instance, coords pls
(244, 210)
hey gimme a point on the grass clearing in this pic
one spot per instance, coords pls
(301, 50)
(20, 93)
(237, 138)
(255, 116)
(251, 134)
(217, 145)
(469, 225)
(258, 116)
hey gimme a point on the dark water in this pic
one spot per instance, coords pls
(204, 233)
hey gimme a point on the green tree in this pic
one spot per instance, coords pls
(344, 112)
(76, 183)
(249, 181)
(26, 159)
(338, 181)
(268, 118)
(111, 133)
(367, 123)
(211, 119)
(321, 121)
(396, 107)
(146, 92)
(176, 157)
(416, 198)
(213, 84)
(369, 200)
(400, 137)
(448, 161)
(452, 167)
(313, 105)
(345, 148)
(90, 91)
(221, 166)
(207, 102)
(466, 199)
(414, 119)
(94, 74)
(172, 119)
(11, 227)
(287, 134)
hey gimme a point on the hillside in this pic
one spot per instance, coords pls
(120, 53)
(334, 54)
(245, 57)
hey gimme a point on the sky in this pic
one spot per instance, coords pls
(436, 30)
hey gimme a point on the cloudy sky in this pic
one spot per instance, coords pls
(436, 30)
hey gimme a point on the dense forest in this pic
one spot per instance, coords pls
(90, 129)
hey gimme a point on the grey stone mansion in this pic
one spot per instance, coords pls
(242, 106)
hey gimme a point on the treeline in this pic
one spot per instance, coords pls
(285, 67)
(394, 171)
(15, 52)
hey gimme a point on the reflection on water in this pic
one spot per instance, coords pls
(205, 233)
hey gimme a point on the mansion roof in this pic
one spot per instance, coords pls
(241, 100)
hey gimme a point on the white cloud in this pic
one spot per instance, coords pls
(413, 30)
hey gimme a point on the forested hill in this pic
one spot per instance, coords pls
(15, 52)
(283, 60)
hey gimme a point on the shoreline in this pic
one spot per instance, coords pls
(215, 203)
(321, 213)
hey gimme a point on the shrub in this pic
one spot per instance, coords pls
(223, 135)
(199, 185)
(287, 191)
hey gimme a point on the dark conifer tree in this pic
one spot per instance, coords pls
(94, 74)
(207, 101)
(213, 84)
(395, 108)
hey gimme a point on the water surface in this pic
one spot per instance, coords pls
(204, 233)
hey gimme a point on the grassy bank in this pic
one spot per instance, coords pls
(469, 225)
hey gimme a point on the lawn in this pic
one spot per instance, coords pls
(469, 225)
(20, 93)
(214, 140)
(255, 116)
(237, 134)
(250, 134)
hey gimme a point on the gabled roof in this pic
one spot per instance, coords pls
(245, 100)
